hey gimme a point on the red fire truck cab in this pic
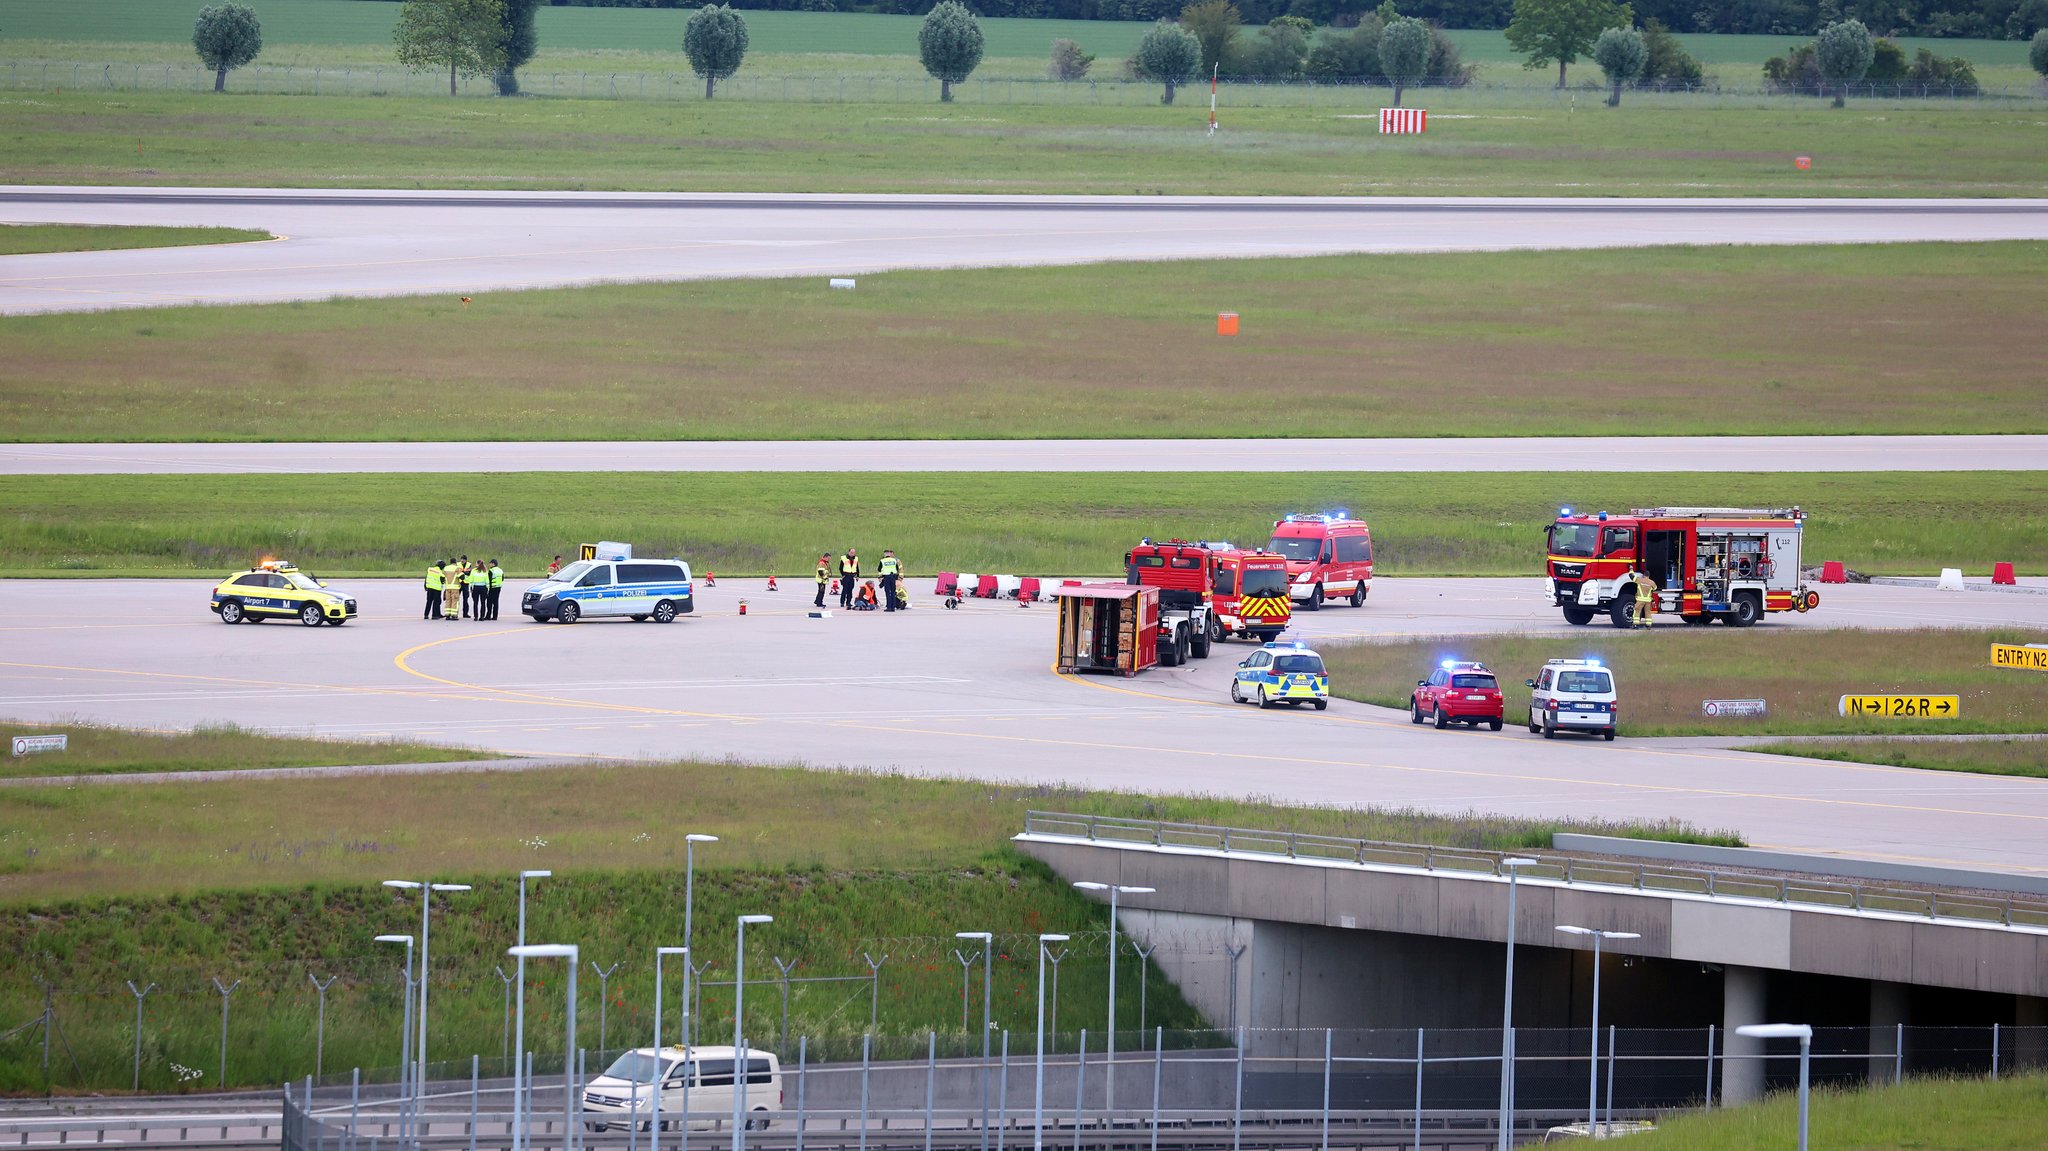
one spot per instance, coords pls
(1209, 592)
(1329, 556)
(1730, 564)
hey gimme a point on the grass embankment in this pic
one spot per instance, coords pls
(1663, 675)
(26, 239)
(2027, 757)
(271, 881)
(1861, 339)
(1033, 523)
(97, 750)
(1951, 1114)
(1480, 143)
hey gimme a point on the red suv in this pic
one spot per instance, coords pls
(1457, 693)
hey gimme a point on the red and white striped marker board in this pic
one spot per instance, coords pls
(1403, 121)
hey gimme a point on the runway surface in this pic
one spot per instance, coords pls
(970, 693)
(1737, 454)
(340, 243)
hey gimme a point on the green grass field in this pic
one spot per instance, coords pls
(97, 750)
(1951, 1114)
(1862, 339)
(751, 523)
(2026, 757)
(1662, 677)
(1538, 145)
(24, 239)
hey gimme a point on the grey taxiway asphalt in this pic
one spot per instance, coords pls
(383, 243)
(970, 693)
(1738, 454)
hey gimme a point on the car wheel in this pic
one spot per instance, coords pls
(760, 1124)
(1358, 594)
(569, 612)
(1263, 701)
(1414, 710)
(1236, 696)
(1314, 602)
(231, 611)
(1746, 611)
(1578, 616)
(1441, 721)
(1549, 730)
(1623, 613)
(1493, 724)
(311, 615)
(1534, 727)
(664, 612)
(1322, 705)
(1608, 735)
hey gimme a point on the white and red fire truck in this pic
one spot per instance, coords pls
(1209, 592)
(1730, 564)
(1329, 556)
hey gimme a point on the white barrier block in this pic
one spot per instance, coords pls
(819, 614)
(845, 284)
(1951, 580)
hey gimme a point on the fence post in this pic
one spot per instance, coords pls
(139, 997)
(305, 1111)
(1237, 1098)
(475, 1063)
(1994, 1053)
(1899, 1057)
(1327, 1033)
(874, 988)
(1002, 1078)
(355, 1104)
(803, 1073)
(1710, 1067)
(865, 1040)
(320, 1032)
(1610, 1076)
(931, 1079)
(1418, 1088)
(1158, 1066)
(225, 994)
(1080, 1084)
(785, 969)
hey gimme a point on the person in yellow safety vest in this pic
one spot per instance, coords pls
(433, 591)
(451, 590)
(1646, 597)
(479, 582)
(462, 582)
(497, 575)
(889, 570)
(824, 577)
(849, 577)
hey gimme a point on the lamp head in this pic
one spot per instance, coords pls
(694, 838)
(1137, 890)
(1053, 938)
(544, 951)
(671, 951)
(1091, 885)
(535, 874)
(402, 883)
(1568, 929)
(451, 887)
(1776, 1031)
(757, 919)
(405, 939)
(984, 936)
(1515, 861)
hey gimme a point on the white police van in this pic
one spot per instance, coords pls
(613, 584)
(1574, 695)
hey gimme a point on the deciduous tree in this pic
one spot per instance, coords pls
(1843, 53)
(2037, 54)
(464, 36)
(226, 37)
(715, 40)
(949, 43)
(519, 40)
(1404, 53)
(1622, 55)
(1561, 31)
(1215, 23)
(1068, 62)
(1169, 54)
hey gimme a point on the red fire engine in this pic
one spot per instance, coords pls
(1209, 592)
(1730, 564)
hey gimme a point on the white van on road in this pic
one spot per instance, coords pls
(704, 1083)
(637, 588)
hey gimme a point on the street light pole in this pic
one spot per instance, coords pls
(690, 843)
(573, 954)
(661, 1076)
(988, 959)
(1593, 1070)
(404, 1030)
(1114, 889)
(426, 926)
(1513, 866)
(1804, 1034)
(1038, 1093)
(740, 1070)
(519, 1031)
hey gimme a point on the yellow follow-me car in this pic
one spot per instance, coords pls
(275, 589)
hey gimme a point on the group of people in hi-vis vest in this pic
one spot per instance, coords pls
(464, 589)
(856, 595)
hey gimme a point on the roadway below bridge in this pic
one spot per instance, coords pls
(970, 693)
(399, 243)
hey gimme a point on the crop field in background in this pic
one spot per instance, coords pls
(97, 750)
(1959, 1114)
(1480, 143)
(1865, 339)
(2028, 757)
(1663, 675)
(22, 239)
(753, 523)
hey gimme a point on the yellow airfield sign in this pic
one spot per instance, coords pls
(1900, 706)
(2033, 658)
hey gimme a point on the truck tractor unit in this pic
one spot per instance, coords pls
(1329, 556)
(1184, 573)
(1728, 564)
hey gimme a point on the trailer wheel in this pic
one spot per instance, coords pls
(1578, 616)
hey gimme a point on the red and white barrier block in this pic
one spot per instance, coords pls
(1404, 121)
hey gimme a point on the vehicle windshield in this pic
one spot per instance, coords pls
(303, 583)
(1476, 682)
(1576, 540)
(634, 1067)
(1265, 582)
(1591, 681)
(572, 573)
(1298, 549)
(1299, 664)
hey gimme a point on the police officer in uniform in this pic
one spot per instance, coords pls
(433, 591)
(849, 576)
(824, 577)
(497, 575)
(479, 585)
(889, 569)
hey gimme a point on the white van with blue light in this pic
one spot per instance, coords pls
(1574, 695)
(613, 583)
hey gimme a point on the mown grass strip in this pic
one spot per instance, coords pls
(27, 239)
(2023, 757)
(1664, 675)
(1830, 339)
(1955, 1114)
(1030, 523)
(98, 750)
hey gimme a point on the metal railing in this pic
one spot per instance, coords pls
(1576, 871)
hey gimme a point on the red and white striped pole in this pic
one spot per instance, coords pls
(1213, 68)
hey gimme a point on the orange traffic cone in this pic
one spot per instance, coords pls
(710, 579)
(771, 583)
(743, 607)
